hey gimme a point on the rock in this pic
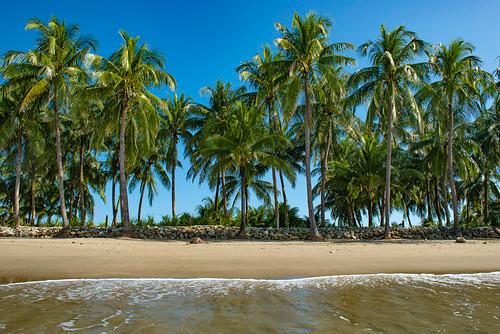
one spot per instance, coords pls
(128, 234)
(197, 241)
(316, 238)
(460, 240)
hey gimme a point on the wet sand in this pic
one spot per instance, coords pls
(41, 259)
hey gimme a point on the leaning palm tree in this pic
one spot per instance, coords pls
(306, 49)
(388, 83)
(57, 58)
(177, 126)
(457, 70)
(245, 143)
(126, 77)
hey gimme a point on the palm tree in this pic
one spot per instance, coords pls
(206, 122)
(389, 82)
(126, 76)
(148, 170)
(263, 74)
(457, 70)
(330, 93)
(245, 143)
(177, 124)
(13, 130)
(305, 48)
(487, 135)
(57, 58)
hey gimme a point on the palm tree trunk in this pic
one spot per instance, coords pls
(350, 217)
(246, 199)
(113, 197)
(370, 213)
(83, 212)
(436, 202)
(486, 193)
(285, 202)
(445, 201)
(243, 201)
(467, 194)
(224, 198)
(273, 172)
(70, 202)
(60, 170)
(174, 162)
(307, 131)
(276, 199)
(118, 203)
(123, 176)
(454, 200)
(408, 215)
(17, 218)
(387, 202)
(216, 200)
(428, 200)
(381, 209)
(324, 168)
(322, 189)
(33, 198)
(143, 187)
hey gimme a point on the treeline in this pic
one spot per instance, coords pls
(72, 121)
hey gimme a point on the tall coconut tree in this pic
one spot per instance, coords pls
(146, 173)
(127, 76)
(13, 128)
(57, 57)
(208, 120)
(177, 122)
(330, 93)
(263, 74)
(245, 143)
(306, 49)
(389, 83)
(453, 93)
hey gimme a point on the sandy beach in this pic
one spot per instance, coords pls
(40, 259)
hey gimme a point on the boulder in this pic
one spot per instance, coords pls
(196, 241)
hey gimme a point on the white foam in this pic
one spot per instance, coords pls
(492, 277)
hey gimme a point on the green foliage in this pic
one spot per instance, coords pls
(62, 106)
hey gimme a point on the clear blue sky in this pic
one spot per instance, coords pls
(205, 40)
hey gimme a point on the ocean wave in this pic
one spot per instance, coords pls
(489, 278)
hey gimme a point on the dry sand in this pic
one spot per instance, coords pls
(39, 259)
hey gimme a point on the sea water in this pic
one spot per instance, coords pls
(382, 303)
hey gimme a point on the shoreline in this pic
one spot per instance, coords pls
(24, 260)
(270, 280)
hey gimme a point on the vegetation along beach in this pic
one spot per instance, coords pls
(224, 175)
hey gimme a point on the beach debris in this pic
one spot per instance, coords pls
(196, 241)
(460, 240)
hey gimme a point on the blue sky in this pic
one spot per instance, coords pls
(205, 40)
